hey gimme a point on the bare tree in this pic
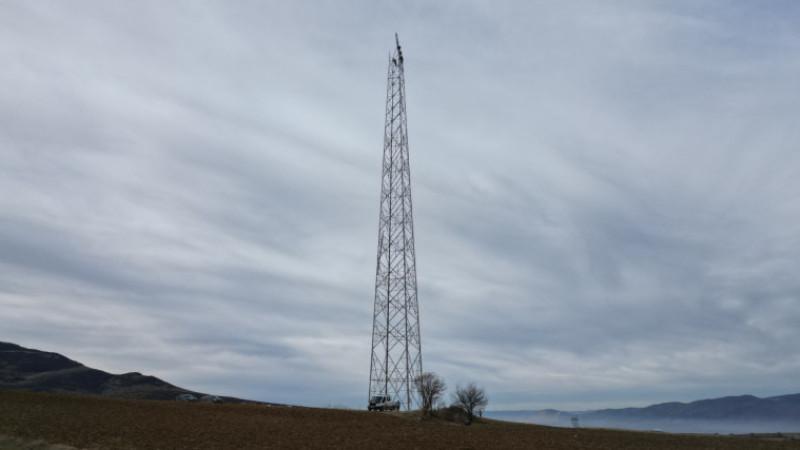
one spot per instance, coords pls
(470, 398)
(430, 388)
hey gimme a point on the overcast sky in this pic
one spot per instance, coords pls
(606, 194)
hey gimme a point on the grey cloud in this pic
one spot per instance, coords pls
(604, 194)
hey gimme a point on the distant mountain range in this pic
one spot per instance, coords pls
(736, 415)
(25, 369)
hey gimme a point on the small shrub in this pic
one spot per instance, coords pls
(452, 414)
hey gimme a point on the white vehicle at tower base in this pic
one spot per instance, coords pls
(382, 403)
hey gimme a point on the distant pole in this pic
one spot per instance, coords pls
(396, 349)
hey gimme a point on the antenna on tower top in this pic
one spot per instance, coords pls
(399, 52)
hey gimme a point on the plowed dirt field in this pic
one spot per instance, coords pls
(100, 423)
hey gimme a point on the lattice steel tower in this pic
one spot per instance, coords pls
(396, 349)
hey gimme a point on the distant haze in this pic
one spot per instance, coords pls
(605, 194)
(730, 415)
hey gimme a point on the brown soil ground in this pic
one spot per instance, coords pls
(55, 421)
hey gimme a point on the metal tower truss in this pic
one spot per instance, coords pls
(396, 348)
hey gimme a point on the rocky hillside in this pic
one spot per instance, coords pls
(26, 369)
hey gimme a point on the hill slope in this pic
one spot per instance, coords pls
(25, 369)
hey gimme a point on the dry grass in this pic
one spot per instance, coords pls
(43, 420)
